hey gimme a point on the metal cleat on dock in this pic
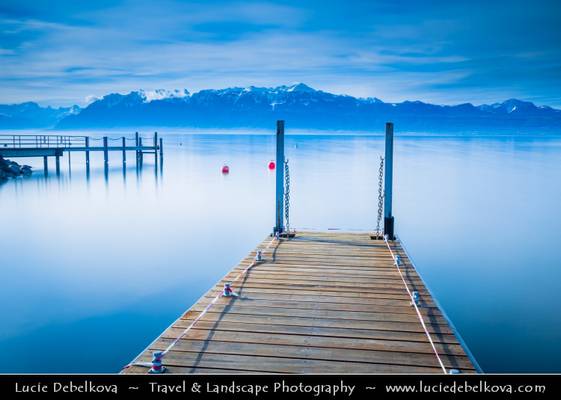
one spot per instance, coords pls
(416, 298)
(157, 366)
(228, 292)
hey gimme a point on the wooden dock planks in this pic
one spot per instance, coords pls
(322, 302)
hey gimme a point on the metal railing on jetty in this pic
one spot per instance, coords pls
(41, 141)
(55, 145)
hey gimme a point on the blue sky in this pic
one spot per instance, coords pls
(67, 52)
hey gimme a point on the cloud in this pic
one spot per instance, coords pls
(442, 54)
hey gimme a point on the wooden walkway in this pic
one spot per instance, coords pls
(46, 146)
(322, 302)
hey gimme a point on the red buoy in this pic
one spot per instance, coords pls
(225, 169)
(272, 165)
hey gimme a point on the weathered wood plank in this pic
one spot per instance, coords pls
(241, 308)
(264, 349)
(375, 307)
(265, 294)
(277, 338)
(312, 321)
(187, 360)
(351, 333)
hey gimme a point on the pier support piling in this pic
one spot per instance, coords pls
(124, 141)
(136, 143)
(57, 165)
(156, 147)
(105, 158)
(87, 151)
(105, 151)
(279, 194)
(388, 183)
(140, 152)
(46, 165)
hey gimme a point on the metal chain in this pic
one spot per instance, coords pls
(380, 195)
(287, 195)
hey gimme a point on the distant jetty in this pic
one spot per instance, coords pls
(11, 169)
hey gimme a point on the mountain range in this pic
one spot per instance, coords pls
(300, 105)
(31, 115)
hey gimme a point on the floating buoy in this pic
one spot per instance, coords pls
(225, 169)
(272, 165)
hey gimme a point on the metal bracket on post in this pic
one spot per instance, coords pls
(279, 193)
(388, 184)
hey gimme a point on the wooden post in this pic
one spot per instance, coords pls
(87, 139)
(105, 151)
(57, 164)
(388, 184)
(155, 147)
(136, 142)
(279, 197)
(161, 156)
(140, 152)
(87, 152)
(46, 165)
(124, 150)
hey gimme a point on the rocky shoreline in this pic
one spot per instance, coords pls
(11, 169)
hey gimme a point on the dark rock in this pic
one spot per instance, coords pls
(11, 169)
(14, 169)
(26, 170)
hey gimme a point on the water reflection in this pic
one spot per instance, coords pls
(101, 260)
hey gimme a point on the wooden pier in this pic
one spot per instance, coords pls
(45, 146)
(315, 302)
(321, 302)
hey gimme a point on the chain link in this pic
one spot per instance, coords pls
(380, 196)
(287, 195)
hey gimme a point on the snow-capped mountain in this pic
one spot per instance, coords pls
(302, 107)
(162, 94)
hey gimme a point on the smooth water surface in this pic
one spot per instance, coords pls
(94, 269)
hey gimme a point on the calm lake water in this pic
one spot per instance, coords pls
(93, 270)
